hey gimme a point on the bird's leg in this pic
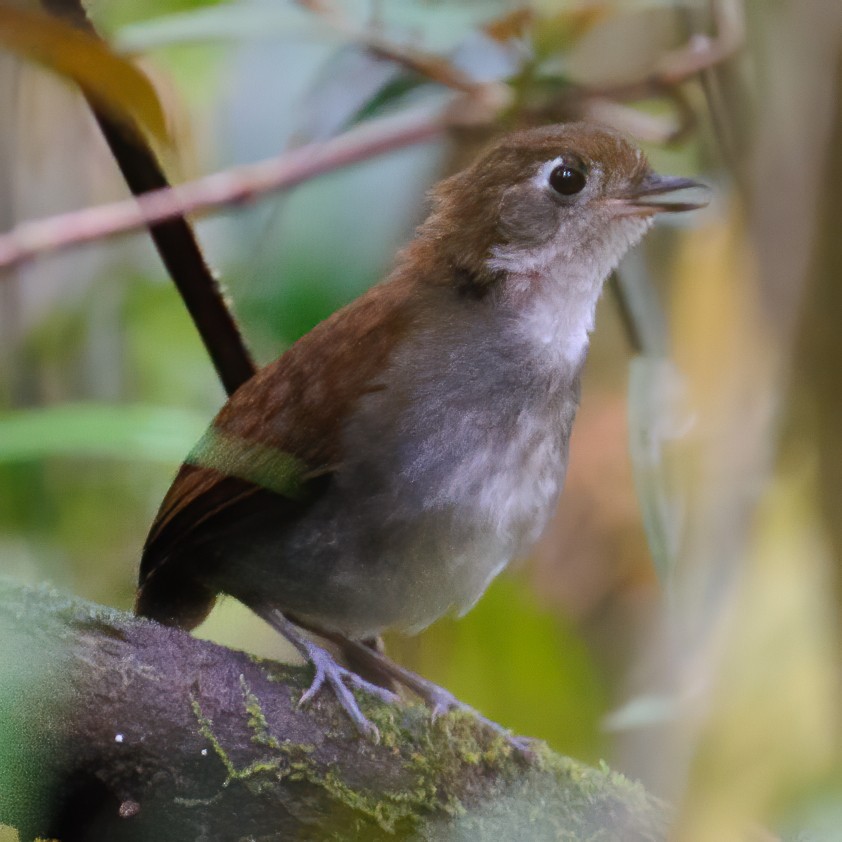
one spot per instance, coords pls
(327, 670)
(369, 671)
(440, 700)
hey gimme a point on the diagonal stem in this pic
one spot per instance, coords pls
(173, 237)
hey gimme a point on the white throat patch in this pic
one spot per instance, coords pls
(555, 291)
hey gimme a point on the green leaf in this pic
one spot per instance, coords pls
(655, 418)
(228, 22)
(102, 430)
(343, 92)
(113, 81)
(114, 14)
(643, 712)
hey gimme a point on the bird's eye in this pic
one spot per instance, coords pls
(567, 180)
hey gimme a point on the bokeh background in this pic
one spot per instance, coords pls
(680, 618)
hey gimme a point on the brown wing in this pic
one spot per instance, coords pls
(273, 444)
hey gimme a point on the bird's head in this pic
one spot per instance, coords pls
(576, 193)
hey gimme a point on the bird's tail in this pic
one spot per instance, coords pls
(173, 598)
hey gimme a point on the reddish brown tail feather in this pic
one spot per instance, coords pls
(173, 599)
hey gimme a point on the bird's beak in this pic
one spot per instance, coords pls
(655, 194)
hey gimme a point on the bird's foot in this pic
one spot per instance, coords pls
(341, 680)
(437, 698)
(442, 701)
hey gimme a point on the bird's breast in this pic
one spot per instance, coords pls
(463, 469)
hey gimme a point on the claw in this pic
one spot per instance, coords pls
(328, 670)
(315, 686)
(441, 701)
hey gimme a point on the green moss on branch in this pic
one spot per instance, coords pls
(130, 730)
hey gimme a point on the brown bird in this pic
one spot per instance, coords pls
(392, 462)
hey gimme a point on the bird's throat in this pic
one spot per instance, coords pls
(552, 292)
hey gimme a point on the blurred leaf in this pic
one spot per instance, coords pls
(123, 432)
(113, 14)
(112, 80)
(620, 44)
(513, 24)
(483, 58)
(228, 22)
(815, 381)
(655, 392)
(642, 712)
(389, 96)
(165, 361)
(633, 284)
(559, 30)
(438, 27)
(345, 87)
(770, 724)
(819, 820)
(287, 282)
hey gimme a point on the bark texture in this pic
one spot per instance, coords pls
(113, 727)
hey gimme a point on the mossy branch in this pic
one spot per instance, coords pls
(112, 727)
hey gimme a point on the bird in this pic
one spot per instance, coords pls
(384, 469)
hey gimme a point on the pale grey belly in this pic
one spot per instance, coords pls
(398, 576)
(396, 546)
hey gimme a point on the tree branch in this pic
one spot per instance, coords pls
(118, 728)
(229, 187)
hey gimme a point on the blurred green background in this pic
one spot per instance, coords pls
(723, 464)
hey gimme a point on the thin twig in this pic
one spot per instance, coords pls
(727, 13)
(650, 128)
(221, 189)
(702, 52)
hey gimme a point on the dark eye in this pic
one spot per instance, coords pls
(567, 180)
